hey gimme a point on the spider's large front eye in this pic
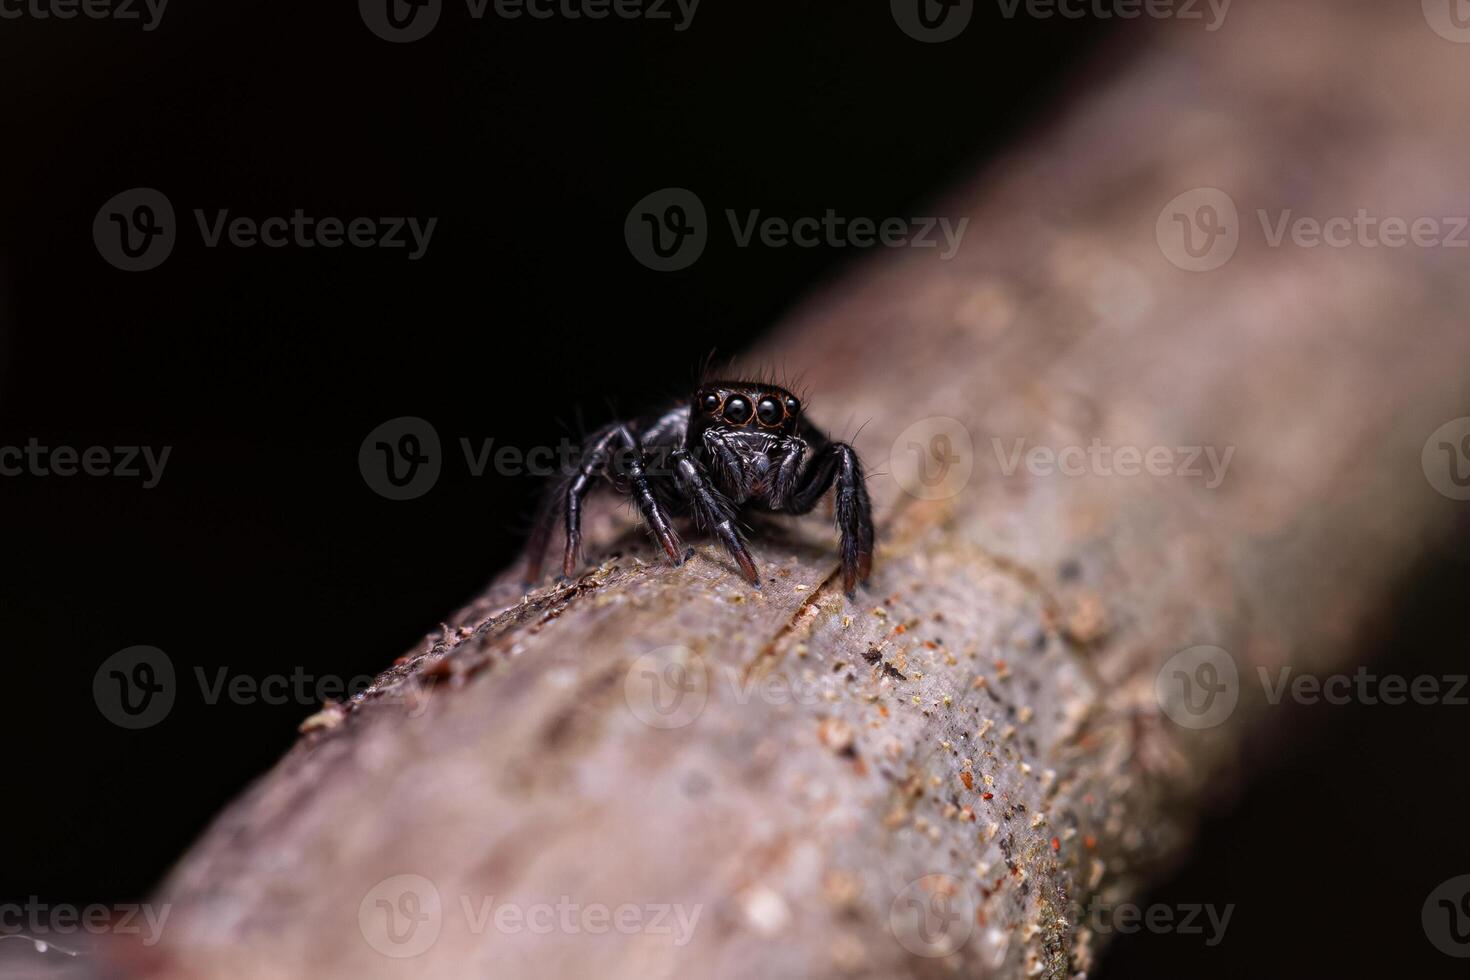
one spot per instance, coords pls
(769, 412)
(737, 410)
(710, 403)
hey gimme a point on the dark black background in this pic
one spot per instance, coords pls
(263, 550)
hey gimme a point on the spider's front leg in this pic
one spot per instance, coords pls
(788, 472)
(838, 463)
(728, 465)
(616, 441)
(712, 510)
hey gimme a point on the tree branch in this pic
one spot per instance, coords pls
(979, 734)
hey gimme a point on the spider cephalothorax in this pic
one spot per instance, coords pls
(735, 445)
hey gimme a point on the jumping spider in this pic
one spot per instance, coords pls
(735, 445)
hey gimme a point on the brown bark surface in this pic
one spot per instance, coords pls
(961, 760)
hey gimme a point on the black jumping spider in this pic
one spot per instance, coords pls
(735, 445)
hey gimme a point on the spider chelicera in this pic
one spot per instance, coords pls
(735, 445)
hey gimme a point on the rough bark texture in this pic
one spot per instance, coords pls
(978, 733)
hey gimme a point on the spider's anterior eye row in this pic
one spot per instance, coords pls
(737, 410)
(771, 410)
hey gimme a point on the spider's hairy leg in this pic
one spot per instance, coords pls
(713, 511)
(593, 465)
(838, 463)
(788, 472)
(728, 465)
(599, 454)
(653, 512)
